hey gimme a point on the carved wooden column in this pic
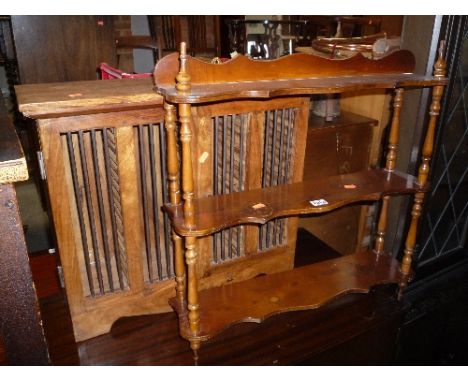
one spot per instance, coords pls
(183, 87)
(437, 91)
(390, 166)
(174, 196)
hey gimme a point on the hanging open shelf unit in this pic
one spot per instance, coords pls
(272, 99)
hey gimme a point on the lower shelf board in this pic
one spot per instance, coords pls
(302, 288)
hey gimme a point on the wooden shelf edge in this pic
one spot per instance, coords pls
(214, 213)
(304, 288)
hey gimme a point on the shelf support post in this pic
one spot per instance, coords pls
(423, 172)
(174, 196)
(183, 86)
(390, 166)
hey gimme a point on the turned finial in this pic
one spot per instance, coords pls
(440, 65)
(183, 78)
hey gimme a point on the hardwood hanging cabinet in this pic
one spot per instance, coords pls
(242, 124)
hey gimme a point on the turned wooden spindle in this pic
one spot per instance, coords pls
(437, 91)
(390, 166)
(174, 196)
(183, 87)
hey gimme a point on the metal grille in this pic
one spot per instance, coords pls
(444, 223)
(278, 134)
(92, 163)
(229, 147)
(158, 261)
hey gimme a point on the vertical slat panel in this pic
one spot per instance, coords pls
(278, 127)
(215, 181)
(79, 206)
(165, 199)
(144, 198)
(228, 176)
(153, 185)
(102, 217)
(154, 197)
(90, 210)
(115, 210)
(132, 217)
(92, 164)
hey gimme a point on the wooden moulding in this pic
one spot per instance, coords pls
(297, 74)
(307, 287)
(85, 97)
(214, 213)
(293, 66)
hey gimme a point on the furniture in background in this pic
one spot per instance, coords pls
(21, 332)
(105, 161)
(166, 30)
(271, 101)
(271, 43)
(338, 147)
(110, 73)
(62, 48)
(137, 42)
(201, 32)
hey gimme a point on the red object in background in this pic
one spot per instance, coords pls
(110, 73)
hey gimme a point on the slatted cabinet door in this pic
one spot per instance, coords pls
(106, 183)
(232, 143)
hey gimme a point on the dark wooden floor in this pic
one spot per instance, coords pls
(356, 329)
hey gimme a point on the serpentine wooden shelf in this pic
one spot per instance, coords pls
(214, 213)
(262, 108)
(302, 288)
(289, 87)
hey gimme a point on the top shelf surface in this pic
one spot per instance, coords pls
(300, 86)
(296, 74)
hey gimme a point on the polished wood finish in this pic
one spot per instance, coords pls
(269, 89)
(206, 313)
(89, 106)
(85, 97)
(261, 205)
(423, 171)
(355, 329)
(127, 114)
(376, 104)
(259, 298)
(296, 66)
(339, 146)
(174, 195)
(389, 166)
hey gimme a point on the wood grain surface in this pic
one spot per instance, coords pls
(259, 206)
(302, 288)
(85, 97)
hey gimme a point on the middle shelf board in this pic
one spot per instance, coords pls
(302, 288)
(214, 213)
